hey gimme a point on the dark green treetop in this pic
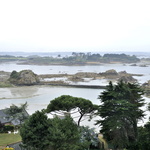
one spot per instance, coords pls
(69, 104)
(120, 112)
(41, 133)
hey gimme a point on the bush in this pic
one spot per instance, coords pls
(1, 127)
(8, 128)
(14, 75)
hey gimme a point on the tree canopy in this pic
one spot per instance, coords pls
(18, 112)
(41, 133)
(69, 104)
(120, 112)
(144, 137)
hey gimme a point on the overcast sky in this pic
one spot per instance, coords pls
(74, 25)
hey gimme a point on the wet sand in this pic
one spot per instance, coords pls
(21, 92)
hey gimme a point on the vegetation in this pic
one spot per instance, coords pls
(89, 138)
(74, 59)
(14, 75)
(120, 112)
(18, 112)
(6, 128)
(39, 132)
(119, 58)
(70, 105)
(144, 137)
(24, 77)
(5, 84)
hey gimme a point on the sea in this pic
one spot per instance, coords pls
(38, 97)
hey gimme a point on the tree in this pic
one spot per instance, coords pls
(42, 133)
(18, 112)
(148, 108)
(65, 132)
(68, 104)
(120, 112)
(144, 137)
(88, 137)
(1, 127)
(34, 132)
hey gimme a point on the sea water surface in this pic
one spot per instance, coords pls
(57, 69)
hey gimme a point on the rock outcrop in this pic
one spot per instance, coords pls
(146, 88)
(24, 77)
(127, 78)
(110, 74)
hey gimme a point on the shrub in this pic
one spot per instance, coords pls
(8, 128)
(1, 127)
(14, 75)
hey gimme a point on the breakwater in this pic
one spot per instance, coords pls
(75, 85)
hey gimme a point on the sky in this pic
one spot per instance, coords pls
(74, 25)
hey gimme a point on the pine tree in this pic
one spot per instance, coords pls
(120, 112)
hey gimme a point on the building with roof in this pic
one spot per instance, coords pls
(6, 119)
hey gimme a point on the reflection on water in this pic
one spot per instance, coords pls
(23, 92)
(39, 96)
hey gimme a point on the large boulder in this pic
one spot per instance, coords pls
(127, 78)
(24, 77)
(146, 88)
(86, 74)
(111, 74)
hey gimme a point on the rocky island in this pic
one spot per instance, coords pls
(28, 78)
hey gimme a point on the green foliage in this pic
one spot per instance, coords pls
(5, 84)
(34, 131)
(94, 57)
(14, 75)
(148, 107)
(120, 58)
(39, 132)
(75, 59)
(67, 103)
(8, 128)
(144, 137)
(120, 112)
(18, 112)
(1, 128)
(65, 132)
(88, 137)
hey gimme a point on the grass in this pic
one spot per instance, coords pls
(5, 84)
(6, 138)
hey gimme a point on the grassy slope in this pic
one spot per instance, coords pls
(6, 138)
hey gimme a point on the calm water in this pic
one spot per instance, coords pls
(74, 69)
(39, 97)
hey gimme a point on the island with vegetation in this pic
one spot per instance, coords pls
(74, 59)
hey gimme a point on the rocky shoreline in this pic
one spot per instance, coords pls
(29, 78)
